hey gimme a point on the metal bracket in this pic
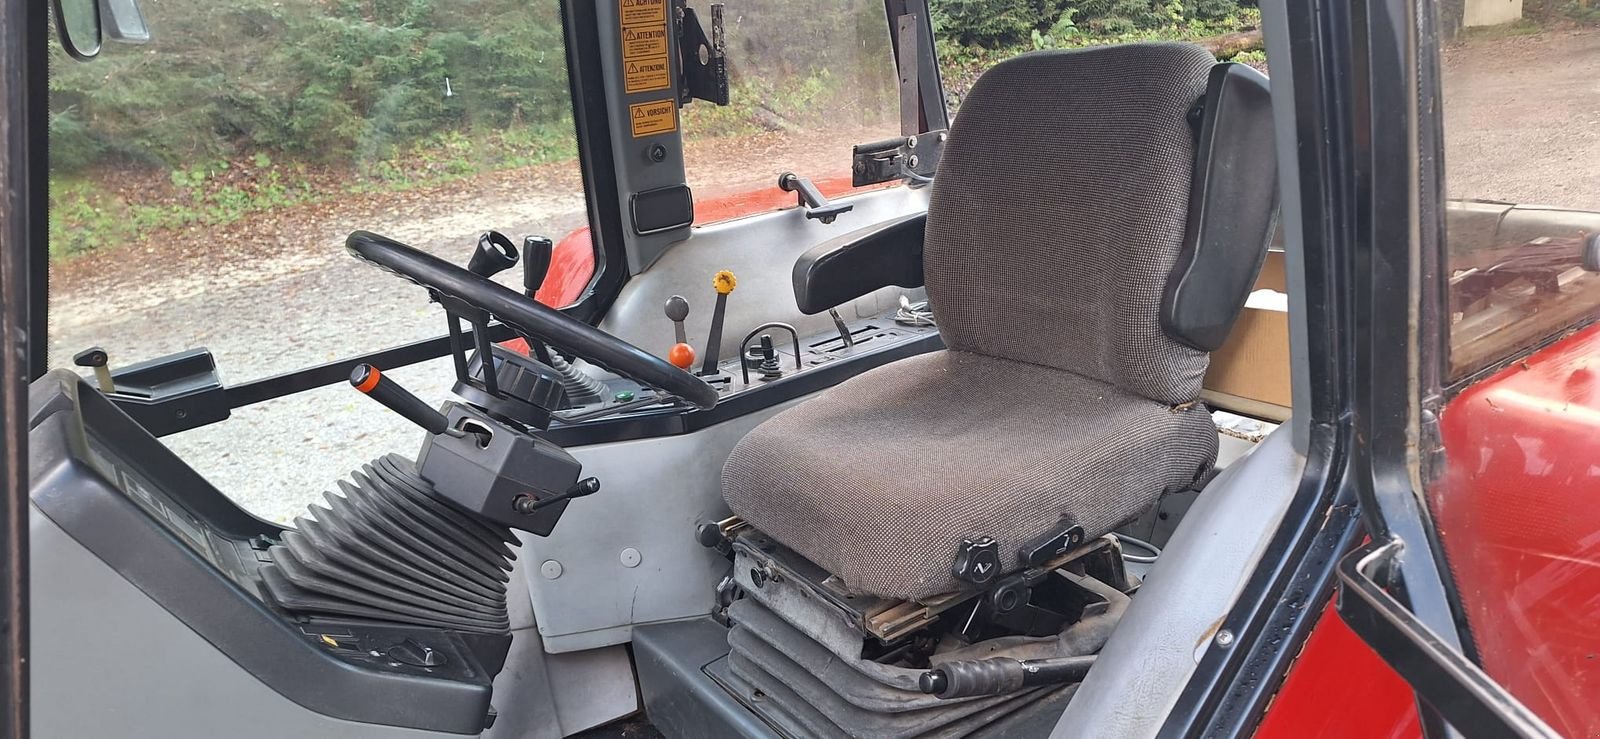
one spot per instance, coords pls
(170, 394)
(818, 207)
(703, 62)
(1445, 679)
(914, 158)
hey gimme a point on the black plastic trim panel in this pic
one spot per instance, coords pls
(71, 492)
(847, 267)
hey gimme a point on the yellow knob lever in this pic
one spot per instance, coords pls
(724, 282)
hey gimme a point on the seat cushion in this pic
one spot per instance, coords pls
(879, 479)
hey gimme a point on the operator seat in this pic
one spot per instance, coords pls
(1058, 229)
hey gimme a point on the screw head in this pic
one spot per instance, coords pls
(1224, 638)
(911, 142)
(551, 569)
(658, 153)
(630, 557)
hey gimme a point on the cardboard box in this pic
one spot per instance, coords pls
(1249, 374)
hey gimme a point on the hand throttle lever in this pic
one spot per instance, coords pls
(537, 252)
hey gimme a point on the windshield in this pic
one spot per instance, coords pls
(202, 187)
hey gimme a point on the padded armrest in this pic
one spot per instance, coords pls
(847, 267)
(1233, 207)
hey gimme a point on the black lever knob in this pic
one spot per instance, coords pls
(537, 251)
(370, 381)
(495, 254)
(677, 309)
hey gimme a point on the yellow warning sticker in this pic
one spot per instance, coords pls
(645, 48)
(644, 42)
(656, 116)
(644, 75)
(642, 12)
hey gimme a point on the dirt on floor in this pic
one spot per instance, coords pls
(277, 292)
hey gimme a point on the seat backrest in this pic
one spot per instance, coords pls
(1061, 210)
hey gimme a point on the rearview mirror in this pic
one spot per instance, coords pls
(78, 24)
(123, 21)
(84, 24)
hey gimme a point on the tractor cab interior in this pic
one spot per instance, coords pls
(937, 458)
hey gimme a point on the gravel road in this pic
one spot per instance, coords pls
(1522, 119)
(278, 292)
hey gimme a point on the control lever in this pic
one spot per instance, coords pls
(537, 252)
(527, 504)
(395, 397)
(495, 254)
(681, 355)
(817, 206)
(1001, 675)
(97, 358)
(723, 282)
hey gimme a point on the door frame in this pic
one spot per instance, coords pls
(24, 184)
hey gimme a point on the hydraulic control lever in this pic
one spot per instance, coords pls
(723, 282)
(681, 355)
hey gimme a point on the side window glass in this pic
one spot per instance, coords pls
(1523, 217)
(807, 82)
(1513, 492)
(202, 187)
(973, 35)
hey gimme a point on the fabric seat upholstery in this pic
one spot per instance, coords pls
(1056, 217)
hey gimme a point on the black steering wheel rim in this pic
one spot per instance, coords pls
(528, 316)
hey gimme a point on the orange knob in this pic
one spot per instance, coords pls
(681, 356)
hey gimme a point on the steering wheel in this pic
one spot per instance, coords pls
(529, 317)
